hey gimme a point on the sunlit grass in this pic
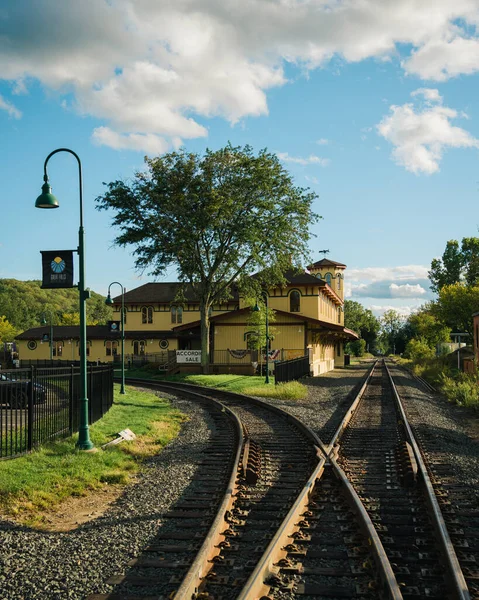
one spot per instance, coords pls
(57, 470)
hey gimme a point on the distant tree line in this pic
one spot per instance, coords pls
(455, 279)
(24, 304)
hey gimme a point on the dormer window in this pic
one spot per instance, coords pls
(147, 314)
(295, 301)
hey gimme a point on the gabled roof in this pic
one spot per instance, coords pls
(161, 292)
(325, 262)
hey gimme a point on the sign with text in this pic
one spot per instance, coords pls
(188, 356)
(57, 266)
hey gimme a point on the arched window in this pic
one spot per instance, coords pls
(295, 301)
(88, 346)
(176, 314)
(327, 277)
(147, 314)
(339, 281)
(111, 347)
(58, 348)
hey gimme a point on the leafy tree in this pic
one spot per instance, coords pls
(217, 217)
(392, 325)
(7, 331)
(363, 322)
(24, 304)
(457, 264)
(425, 327)
(419, 351)
(456, 305)
(357, 348)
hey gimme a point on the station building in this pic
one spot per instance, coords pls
(309, 320)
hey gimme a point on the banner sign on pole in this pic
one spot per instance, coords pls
(57, 266)
(114, 326)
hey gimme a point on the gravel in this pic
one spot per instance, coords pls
(71, 565)
(56, 566)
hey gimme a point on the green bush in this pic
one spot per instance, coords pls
(356, 348)
(418, 351)
(463, 391)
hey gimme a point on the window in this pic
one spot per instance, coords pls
(339, 281)
(176, 314)
(147, 314)
(164, 344)
(139, 347)
(328, 278)
(32, 345)
(57, 348)
(339, 314)
(295, 301)
(111, 347)
(88, 345)
(338, 348)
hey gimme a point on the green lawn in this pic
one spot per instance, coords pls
(57, 471)
(241, 384)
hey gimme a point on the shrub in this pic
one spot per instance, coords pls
(463, 391)
(418, 351)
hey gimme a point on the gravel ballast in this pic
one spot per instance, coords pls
(71, 565)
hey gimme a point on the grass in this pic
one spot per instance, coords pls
(57, 471)
(240, 384)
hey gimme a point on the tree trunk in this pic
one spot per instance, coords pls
(205, 338)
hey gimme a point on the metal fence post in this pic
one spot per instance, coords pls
(71, 404)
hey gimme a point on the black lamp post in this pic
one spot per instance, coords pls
(48, 200)
(256, 308)
(44, 322)
(109, 302)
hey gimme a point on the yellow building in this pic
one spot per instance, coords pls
(309, 319)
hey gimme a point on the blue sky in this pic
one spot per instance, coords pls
(371, 104)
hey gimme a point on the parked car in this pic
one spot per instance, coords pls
(15, 392)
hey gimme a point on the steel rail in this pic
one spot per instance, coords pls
(198, 568)
(351, 410)
(255, 586)
(459, 584)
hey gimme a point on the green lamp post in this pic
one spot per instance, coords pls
(48, 200)
(109, 302)
(44, 322)
(256, 308)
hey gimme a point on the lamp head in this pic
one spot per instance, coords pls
(46, 199)
(109, 301)
(43, 321)
(256, 308)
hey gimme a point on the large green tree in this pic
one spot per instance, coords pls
(458, 264)
(456, 305)
(363, 322)
(216, 217)
(392, 324)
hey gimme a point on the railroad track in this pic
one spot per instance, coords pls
(353, 518)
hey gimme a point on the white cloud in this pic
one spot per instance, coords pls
(379, 310)
(322, 142)
(406, 291)
(160, 68)
(399, 273)
(440, 59)
(153, 144)
(311, 160)
(11, 110)
(420, 138)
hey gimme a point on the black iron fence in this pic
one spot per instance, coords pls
(42, 403)
(289, 370)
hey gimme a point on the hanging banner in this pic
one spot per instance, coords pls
(114, 326)
(57, 266)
